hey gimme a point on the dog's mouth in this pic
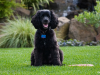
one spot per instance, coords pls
(45, 26)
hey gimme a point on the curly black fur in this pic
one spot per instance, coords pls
(46, 51)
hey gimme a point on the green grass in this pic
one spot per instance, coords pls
(16, 61)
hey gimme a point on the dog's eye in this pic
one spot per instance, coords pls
(48, 15)
(42, 15)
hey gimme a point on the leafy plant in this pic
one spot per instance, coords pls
(92, 18)
(6, 8)
(19, 33)
(35, 3)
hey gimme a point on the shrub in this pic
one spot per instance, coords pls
(19, 33)
(92, 18)
(6, 8)
(35, 3)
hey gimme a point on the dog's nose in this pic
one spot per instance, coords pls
(45, 20)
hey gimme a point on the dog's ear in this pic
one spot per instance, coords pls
(36, 20)
(54, 20)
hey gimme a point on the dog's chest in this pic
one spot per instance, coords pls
(45, 42)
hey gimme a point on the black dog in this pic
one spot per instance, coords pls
(46, 51)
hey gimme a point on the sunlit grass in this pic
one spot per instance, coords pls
(16, 61)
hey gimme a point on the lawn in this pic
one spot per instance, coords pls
(16, 61)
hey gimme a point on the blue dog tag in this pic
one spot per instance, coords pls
(43, 36)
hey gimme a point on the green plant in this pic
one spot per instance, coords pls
(90, 18)
(6, 8)
(19, 33)
(35, 3)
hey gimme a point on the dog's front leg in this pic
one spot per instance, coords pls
(55, 57)
(38, 58)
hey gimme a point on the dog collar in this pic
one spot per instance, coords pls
(43, 36)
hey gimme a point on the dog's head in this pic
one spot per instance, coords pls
(44, 19)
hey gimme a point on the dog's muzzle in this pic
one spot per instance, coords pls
(45, 22)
